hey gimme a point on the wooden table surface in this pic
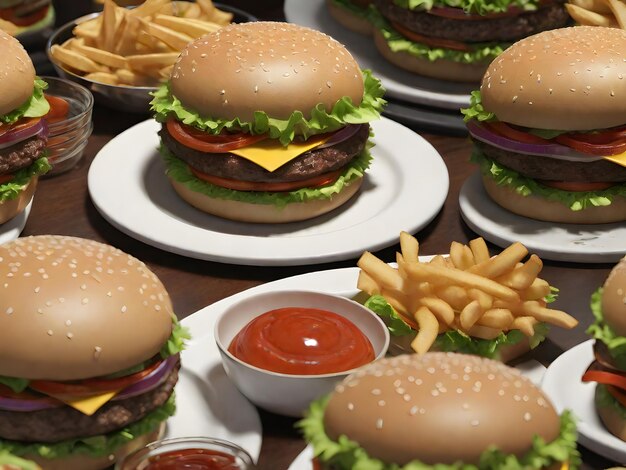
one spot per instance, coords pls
(62, 206)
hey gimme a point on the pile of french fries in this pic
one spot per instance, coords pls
(468, 291)
(610, 13)
(137, 47)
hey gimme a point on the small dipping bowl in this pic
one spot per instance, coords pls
(67, 138)
(290, 394)
(177, 449)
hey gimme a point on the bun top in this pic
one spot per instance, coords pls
(566, 79)
(439, 408)
(277, 68)
(614, 298)
(72, 308)
(17, 74)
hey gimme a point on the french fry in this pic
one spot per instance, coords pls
(502, 262)
(522, 276)
(442, 310)
(525, 324)
(479, 250)
(102, 77)
(484, 300)
(213, 14)
(537, 290)
(618, 8)
(599, 6)
(484, 332)
(409, 247)
(427, 332)
(387, 276)
(455, 296)
(101, 56)
(548, 315)
(174, 39)
(461, 256)
(106, 40)
(470, 314)
(188, 26)
(590, 18)
(497, 318)
(76, 61)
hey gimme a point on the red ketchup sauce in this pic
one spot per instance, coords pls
(298, 340)
(192, 459)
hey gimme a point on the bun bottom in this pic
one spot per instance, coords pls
(443, 69)
(85, 462)
(265, 213)
(13, 207)
(538, 208)
(611, 419)
(349, 20)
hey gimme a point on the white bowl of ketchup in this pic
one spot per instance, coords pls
(285, 349)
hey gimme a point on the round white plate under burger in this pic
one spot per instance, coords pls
(404, 189)
(11, 229)
(601, 243)
(562, 383)
(207, 402)
(399, 83)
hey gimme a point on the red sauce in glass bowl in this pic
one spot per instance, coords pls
(192, 459)
(299, 340)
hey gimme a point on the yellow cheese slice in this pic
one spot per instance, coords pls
(620, 158)
(565, 466)
(270, 154)
(86, 405)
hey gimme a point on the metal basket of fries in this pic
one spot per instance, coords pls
(123, 54)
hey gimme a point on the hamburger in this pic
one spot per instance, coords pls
(549, 126)
(608, 370)
(266, 122)
(23, 132)
(89, 352)
(351, 14)
(456, 39)
(21, 16)
(443, 411)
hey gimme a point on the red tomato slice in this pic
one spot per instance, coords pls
(20, 125)
(5, 178)
(204, 142)
(25, 395)
(605, 149)
(605, 136)
(576, 185)
(313, 182)
(618, 394)
(429, 41)
(89, 386)
(606, 378)
(510, 132)
(59, 108)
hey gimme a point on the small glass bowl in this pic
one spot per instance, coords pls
(67, 139)
(140, 458)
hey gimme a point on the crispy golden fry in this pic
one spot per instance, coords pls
(523, 275)
(537, 290)
(548, 315)
(455, 296)
(386, 276)
(484, 300)
(427, 332)
(410, 247)
(102, 77)
(501, 263)
(189, 26)
(618, 8)
(590, 18)
(461, 256)
(484, 332)
(442, 310)
(76, 61)
(213, 14)
(479, 250)
(101, 56)
(525, 324)
(174, 39)
(470, 314)
(599, 6)
(497, 318)
(366, 283)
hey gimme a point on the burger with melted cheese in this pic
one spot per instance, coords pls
(549, 126)
(88, 352)
(456, 39)
(608, 370)
(439, 411)
(23, 133)
(267, 122)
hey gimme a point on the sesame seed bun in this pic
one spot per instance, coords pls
(614, 299)
(273, 67)
(72, 309)
(12, 207)
(567, 79)
(16, 74)
(439, 408)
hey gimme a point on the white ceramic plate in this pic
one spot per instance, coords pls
(404, 189)
(11, 229)
(399, 83)
(603, 243)
(562, 384)
(207, 402)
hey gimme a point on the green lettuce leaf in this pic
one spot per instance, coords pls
(603, 398)
(17, 462)
(179, 171)
(575, 200)
(476, 109)
(352, 8)
(481, 7)
(481, 52)
(453, 340)
(345, 454)
(16, 384)
(615, 343)
(35, 106)
(95, 446)
(165, 104)
(13, 188)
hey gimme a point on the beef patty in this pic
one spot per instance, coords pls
(59, 424)
(502, 29)
(21, 155)
(551, 169)
(312, 163)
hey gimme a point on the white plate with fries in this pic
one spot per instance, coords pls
(122, 54)
(11, 229)
(602, 243)
(562, 384)
(399, 83)
(404, 189)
